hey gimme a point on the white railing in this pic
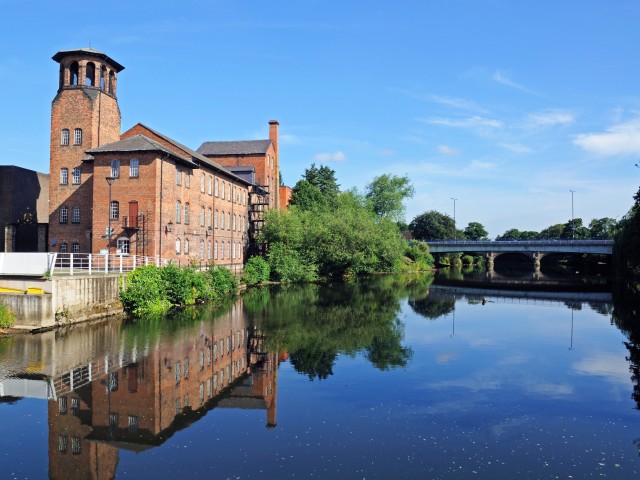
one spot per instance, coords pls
(96, 264)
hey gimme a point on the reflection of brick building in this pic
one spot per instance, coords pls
(142, 192)
(139, 405)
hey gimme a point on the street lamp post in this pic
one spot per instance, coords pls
(455, 230)
(573, 225)
(110, 181)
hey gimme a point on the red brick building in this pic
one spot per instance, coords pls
(142, 192)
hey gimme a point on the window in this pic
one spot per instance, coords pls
(215, 219)
(233, 250)
(62, 443)
(63, 247)
(178, 175)
(62, 405)
(234, 194)
(210, 185)
(239, 251)
(201, 249)
(222, 251)
(178, 211)
(113, 382)
(75, 247)
(177, 406)
(75, 406)
(215, 257)
(208, 387)
(186, 246)
(222, 190)
(75, 445)
(186, 215)
(133, 424)
(187, 178)
(77, 136)
(234, 223)
(209, 215)
(209, 250)
(115, 168)
(215, 188)
(177, 246)
(114, 211)
(178, 376)
(228, 221)
(134, 168)
(202, 216)
(202, 182)
(113, 419)
(228, 249)
(201, 392)
(64, 214)
(75, 176)
(186, 368)
(122, 246)
(75, 214)
(64, 136)
(64, 176)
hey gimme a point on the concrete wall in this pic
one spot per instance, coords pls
(68, 300)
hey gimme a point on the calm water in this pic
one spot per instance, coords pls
(389, 378)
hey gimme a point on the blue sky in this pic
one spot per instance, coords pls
(504, 105)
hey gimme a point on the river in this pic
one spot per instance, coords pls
(388, 377)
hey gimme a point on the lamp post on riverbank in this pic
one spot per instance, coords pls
(455, 230)
(573, 225)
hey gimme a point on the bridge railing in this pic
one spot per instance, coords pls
(550, 242)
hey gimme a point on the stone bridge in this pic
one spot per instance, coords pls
(535, 249)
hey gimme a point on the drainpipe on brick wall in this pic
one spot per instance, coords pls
(161, 201)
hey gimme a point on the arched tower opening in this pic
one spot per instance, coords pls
(90, 77)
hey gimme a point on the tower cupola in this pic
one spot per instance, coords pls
(87, 67)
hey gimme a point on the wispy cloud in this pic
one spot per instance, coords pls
(549, 118)
(504, 79)
(621, 139)
(469, 122)
(330, 157)
(515, 147)
(448, 150)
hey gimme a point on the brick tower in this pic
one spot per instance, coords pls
(84, 115)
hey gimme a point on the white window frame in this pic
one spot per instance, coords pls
(77, 136)
(76, 175)
(75, 214)
(64, 137)
(123, 246)
(64, 176)
(115, 168)
(64, 214)
(134, 168)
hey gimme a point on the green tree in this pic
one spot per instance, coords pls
(603, 227)
(308, 197)
(386, 194)
(552, 232)
(574, 229)
(475, 231)
(317, 190)
(511, 234)
(433, 225)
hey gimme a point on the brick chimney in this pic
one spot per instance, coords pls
(273, 135)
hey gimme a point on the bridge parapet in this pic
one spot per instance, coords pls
(601, 247)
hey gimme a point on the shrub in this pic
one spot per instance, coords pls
(467, 260)
(7, 317)
(222, 280)
(145, 292)
(180, 284)
(288, 266)
(255, 271)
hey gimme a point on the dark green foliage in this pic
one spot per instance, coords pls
(433, 225)
(418, 256)
(145, 292)
(475, 231)
(467, 260)
(386, 195)
(7, 317)
(255, 271)
(317, 190)
(222, 280)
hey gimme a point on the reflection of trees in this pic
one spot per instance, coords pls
(316, 323)
(434, 305)
(626, 307)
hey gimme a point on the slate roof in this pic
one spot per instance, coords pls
(139, 143)
(240, 147)
(88, 51)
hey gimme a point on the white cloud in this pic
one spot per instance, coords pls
(469, 122)
(448, 150)
(621, 139)
(549, 118)
(515, 147)
(330, 157)
(503, 79)
(614, 368)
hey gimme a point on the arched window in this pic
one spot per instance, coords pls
(215, 219)
(228, 221)
(239, 251)
(222, 194)
(112, 82)
(73, 73)
(233, 250)
(178, 211)
(64, 136)
(115, 168)
(186, 218)
(221, 250)
(90, 75)
(122, 246)
(103, 74)
(186, 246)
(77, 136)
(208, 250)
(202, 182)
(215, 250)
(215, 188)
(178, 246)
(228, 249)
(209, 218)
(201, 249)
(202, 216)
(210, 185)
(63, 247)
(114, 211)
(233, 227)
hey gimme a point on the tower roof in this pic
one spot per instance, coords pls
(88, 52)
(241, 147)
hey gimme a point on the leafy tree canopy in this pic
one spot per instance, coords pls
(603, 227)
(475, 231)
(317, 189)
(433, 225)
(386, 194)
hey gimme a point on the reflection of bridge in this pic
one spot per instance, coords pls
(535, 249)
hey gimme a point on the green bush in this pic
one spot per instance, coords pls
(145, 292)
(180, 284)
(7, 317)
(288, 266)
(467, 260)
(222, 280)
(255, 271)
